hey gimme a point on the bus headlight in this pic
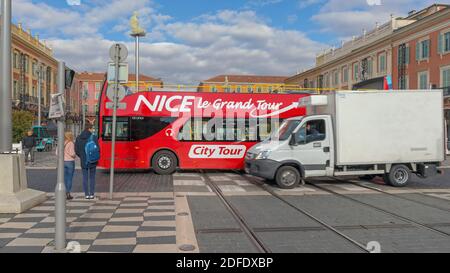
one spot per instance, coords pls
(263, 155)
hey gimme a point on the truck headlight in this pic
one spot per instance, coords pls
(263, 155)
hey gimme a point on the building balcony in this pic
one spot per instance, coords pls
(358, 42)
(446, 91)
(29, 100)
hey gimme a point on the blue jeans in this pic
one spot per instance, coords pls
(89, 181)
(69, 169)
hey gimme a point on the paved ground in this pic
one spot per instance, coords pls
(151, 213)
(124, 224)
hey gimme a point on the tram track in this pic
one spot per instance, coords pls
(244, 226)
(323, 224)
(255, 233)
(395, 195)
(395, 215)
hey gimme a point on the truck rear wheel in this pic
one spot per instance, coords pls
(164, 162)
(287, 177)
(399, 176)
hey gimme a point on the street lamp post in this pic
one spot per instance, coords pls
(5, 79)
(39, 75)
(15, 197)
(60, 191)
(136, 32)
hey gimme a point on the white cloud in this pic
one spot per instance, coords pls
(350, 17)
(306, 3)
(226, 42)
(262, 3)
(85, 20)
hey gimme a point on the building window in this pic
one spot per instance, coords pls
(214, 89)
(34, 68)
(335, 78)
(355, 72)
(369, 67)
(444, 43)
(445, 77)
(423, 80)
(16, 60)
(447, 42)
(97, 86)
(16, 90)
(238, 89)
(382, 63)
(26, 64)
(327, 80)
(97, 95)
(403, 55)
(345, 74)
(250, 89)
(403, 83)
(423, 50)
(259, 89)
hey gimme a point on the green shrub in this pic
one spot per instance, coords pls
(22, 122)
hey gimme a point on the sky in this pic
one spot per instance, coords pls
(192, 40)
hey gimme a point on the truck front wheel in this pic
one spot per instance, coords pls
(399, 176)
(287, 177)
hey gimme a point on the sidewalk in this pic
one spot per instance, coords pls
(144, 222)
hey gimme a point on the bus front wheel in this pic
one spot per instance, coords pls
(164, 162)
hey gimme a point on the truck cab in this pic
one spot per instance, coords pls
(303, 147)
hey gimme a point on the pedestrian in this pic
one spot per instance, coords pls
(87, 149)
(28, 144)
(69, 162)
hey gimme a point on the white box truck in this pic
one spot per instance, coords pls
(356, 133)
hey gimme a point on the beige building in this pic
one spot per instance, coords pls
(363, 58)
(243, 84)
(28, 55)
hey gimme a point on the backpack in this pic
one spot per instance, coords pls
(92, 151)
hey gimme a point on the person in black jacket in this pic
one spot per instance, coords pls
(89, 169)
(28, 144)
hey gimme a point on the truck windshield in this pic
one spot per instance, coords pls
(286, 130)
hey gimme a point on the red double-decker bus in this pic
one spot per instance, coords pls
(187, 130)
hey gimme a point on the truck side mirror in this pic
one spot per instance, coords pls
(293, 140)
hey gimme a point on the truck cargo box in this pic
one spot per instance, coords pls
(382, 127)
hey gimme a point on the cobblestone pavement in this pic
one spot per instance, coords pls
(138, 223)
(152, 213)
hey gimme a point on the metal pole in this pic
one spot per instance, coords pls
(60, 191)
(5, 79)
(84, 116)
(114, 121)
(83, 107)
(137, 63)
(39, 95)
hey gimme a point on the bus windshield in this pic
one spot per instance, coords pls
(286, 130)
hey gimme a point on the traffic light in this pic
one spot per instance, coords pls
(70, 74)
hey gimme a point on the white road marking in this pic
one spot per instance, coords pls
(229, 188)
(188, 183)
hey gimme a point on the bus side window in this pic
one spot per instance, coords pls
(145, 127)
(122, 129)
